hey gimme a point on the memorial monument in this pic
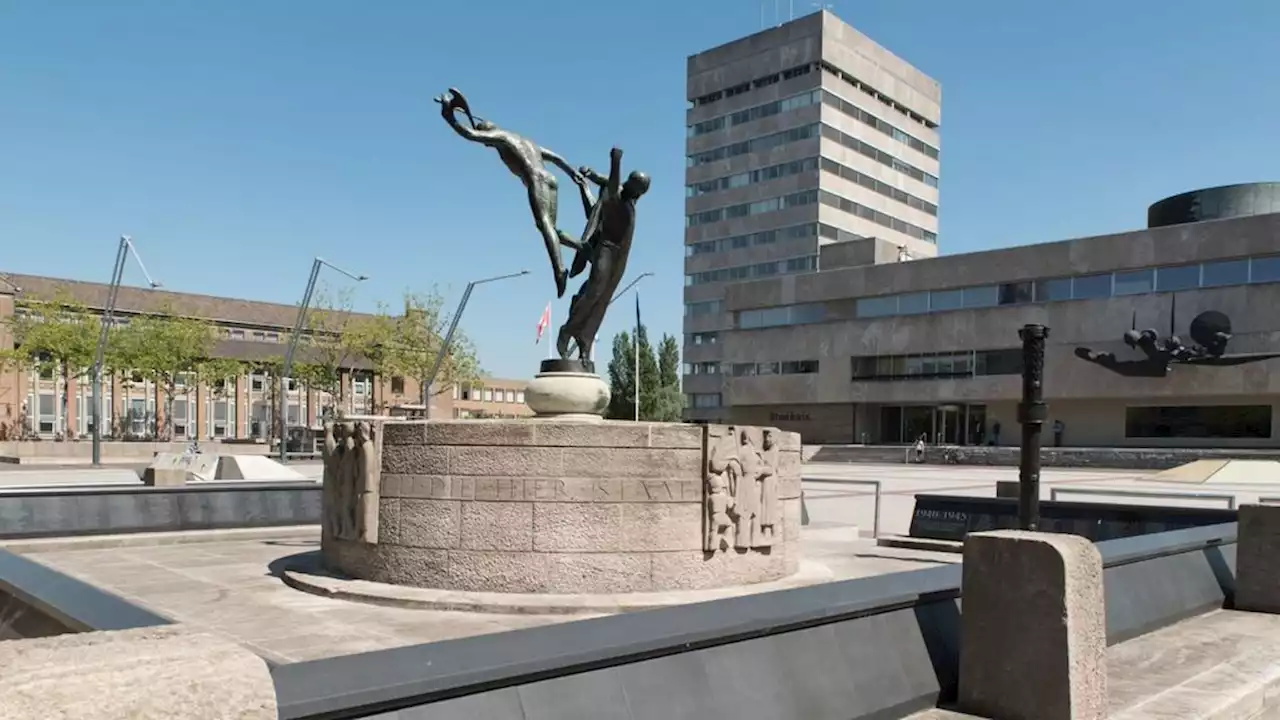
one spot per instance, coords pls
(564, 502)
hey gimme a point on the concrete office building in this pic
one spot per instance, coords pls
(802, 138)
(31, 402)
(891, 352)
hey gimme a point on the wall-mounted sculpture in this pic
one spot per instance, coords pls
(743, 507)
(352, 474)
(1210, 334)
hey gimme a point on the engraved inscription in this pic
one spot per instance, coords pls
(743, 508)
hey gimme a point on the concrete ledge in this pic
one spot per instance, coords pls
(906, 542)
(1257, 559)
(152, 673)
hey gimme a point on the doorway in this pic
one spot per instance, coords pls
(948, 425)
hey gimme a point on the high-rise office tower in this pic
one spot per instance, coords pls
(805, 137)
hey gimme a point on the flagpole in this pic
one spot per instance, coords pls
(637, 356)
(548, 328)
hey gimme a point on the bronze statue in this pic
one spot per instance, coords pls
(605, 245)
(525, 160)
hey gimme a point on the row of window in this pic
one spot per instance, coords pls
(702, 338)
(702, 400)
(757, 112)
(483, 394)
(1222, 273)
(1172, 278)
(760, 82)
(806, 99)
(751, 177)
(752, 369)
(706, 307)
(884, 99)
(759, 207)
(940, 365)
(845, 204)
(857, 113)
(769, 237)
(880, 156)
(805, 263)
(754, 145)
(796, 167)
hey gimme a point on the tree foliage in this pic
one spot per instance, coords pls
(418, 335)
(335, 338)
(57, 336)
(163, 348)
(660, 396)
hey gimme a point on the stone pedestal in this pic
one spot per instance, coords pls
(544, 506)
(1033, 641)
(567, 390)
(1258, 559)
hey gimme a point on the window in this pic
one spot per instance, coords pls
(223, 417)
(397, 385)
(946, 300)
(913, 303)
(1265, 269)
(704, 400)
(1053, 290)
(1226, 272)
(743, 369)
(488, 395)
(456, 391)
(293, 413)
(702, 368)
(800, 367)
(1088, 287)
(257, 382)
(179, 419)
(702, 338)
(882, 306)
(710, 307)
(1218, 421)
(511, 395)
(48, 413)
(980, 297)
(926, 366)
(235, 334)
(519, 396)
(259, 335)
(998, 362)
(782, 315)
(1137, 282)
(1180, 277)
(468, 393)
(1017, 293)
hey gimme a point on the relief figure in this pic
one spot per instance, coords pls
(770, 503)
(746, 496)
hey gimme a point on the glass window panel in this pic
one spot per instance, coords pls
(1181, 277)
(1053, 290)
(946, 300)
(929, 365)
(962, 363)
(979, 297)
(1087, 287)
(913, 365)
(1265, 269)
(1134, 283)
(913, 303)
(877, 306)
(767, 368)
(1017, 293)
(943, 365)
(1226, 272)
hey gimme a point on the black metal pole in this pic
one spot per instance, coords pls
(1031, 413)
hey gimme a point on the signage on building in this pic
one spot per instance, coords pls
(789, 417)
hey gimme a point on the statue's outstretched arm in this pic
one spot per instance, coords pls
(615, 171)
(554, 159)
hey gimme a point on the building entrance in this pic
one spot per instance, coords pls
(947, 424)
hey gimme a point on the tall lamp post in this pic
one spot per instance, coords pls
(448, 337)
(293, 346)
(123, 252)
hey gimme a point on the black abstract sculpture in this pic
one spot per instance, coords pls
(1210, 334)
(1031, 414)
(605, 243)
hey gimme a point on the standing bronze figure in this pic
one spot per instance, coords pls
(605, 245)
(525, 160)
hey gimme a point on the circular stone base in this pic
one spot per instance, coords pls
(567, 390)
(316, 581)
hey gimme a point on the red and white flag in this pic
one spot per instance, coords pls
(543, 322)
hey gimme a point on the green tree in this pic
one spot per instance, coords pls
(649, 385)
(669, 399)
(417, 339)
(58, 336)
(164, 349)
(336, 337)
(660, 396)
(622, 378)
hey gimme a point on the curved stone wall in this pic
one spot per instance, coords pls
(528, 506)
(1215, 203)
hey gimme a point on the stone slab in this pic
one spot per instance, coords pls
(1258, 559)
(154, 673)
(254, 467)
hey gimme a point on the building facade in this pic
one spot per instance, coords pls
(800, 139)
(887, 353)
(31, 404)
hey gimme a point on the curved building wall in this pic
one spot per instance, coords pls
(1215, 204)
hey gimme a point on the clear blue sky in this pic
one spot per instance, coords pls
(237, 139)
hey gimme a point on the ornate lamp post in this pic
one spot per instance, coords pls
(1031, 413)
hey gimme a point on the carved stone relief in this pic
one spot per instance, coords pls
(352, 473)
(742, 506)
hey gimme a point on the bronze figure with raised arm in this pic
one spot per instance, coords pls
(526, 160)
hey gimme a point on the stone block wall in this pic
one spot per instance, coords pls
(523, 506)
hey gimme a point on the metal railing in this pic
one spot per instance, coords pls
(875, 484)
(1230, 499)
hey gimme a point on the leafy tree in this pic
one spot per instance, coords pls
(163, 348)
(660, 396)
(58, 336)
(418, 337)
(215, 372)
(335, 338)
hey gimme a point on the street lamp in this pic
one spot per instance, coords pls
(125, 249)
(448, 337)
(293, 345)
